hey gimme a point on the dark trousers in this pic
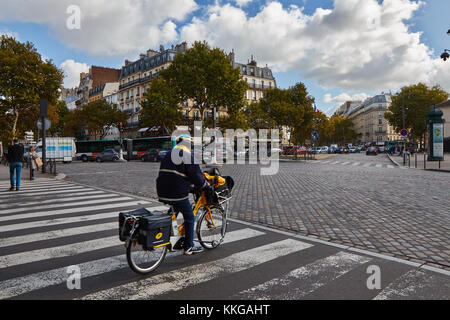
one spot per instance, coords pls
(184, 206)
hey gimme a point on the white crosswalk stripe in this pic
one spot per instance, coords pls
(414, 282)
(180, 279)
(48, 208)
(74, 197)
(311, 277)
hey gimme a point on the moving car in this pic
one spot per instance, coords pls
(371, 150)
(154, 155)
(107, 155)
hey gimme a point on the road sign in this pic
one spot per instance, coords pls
(404, 132)
(46, 124)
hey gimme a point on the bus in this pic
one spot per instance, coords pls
(135, 148)
(87, 150)
(132, 148)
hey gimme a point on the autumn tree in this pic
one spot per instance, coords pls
(24, 79)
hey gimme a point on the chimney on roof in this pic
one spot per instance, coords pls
(127, 62)
(231, 56)
(142, 56)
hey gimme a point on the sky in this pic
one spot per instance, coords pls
(340, 49)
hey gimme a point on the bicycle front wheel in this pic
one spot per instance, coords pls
(211, 227)
(144, 261)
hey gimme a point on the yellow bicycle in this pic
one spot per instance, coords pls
(148, 236)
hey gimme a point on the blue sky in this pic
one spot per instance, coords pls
(330, 73)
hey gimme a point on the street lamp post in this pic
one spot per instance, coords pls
(445, 55)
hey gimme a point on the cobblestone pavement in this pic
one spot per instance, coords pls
(353, 199)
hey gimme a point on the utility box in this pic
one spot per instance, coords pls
(59, 148)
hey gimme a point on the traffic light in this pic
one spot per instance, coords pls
(121, 127)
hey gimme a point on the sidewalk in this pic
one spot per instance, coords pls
(25, 176)
(418, 160)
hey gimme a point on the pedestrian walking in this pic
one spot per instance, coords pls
(34, 158)
(15, 159)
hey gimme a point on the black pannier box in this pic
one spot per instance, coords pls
(125, 228)
(155, 230)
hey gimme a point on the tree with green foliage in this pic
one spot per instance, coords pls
(161, 106)
(207, 77)
(96, 117)
(303, 103)
(24, 79)
(416, 101)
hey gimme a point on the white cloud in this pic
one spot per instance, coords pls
(108, 27)
(359, 45)
(72, 70)
(242, 3)
(343, 97)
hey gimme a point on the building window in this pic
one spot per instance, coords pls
(246, 94)
(380, 121)
(254, 95)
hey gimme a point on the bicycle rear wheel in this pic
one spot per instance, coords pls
(144, 261)
(211, 227)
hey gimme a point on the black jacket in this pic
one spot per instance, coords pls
(174, 180)
(15, 153)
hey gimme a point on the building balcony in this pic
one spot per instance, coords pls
(259, 86)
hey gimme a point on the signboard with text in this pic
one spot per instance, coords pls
(438, 140)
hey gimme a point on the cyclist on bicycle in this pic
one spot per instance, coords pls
(173, 184)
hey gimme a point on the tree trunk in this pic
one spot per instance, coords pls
(16, 117)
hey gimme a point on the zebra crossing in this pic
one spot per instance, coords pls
(51, 226)
(358, 164)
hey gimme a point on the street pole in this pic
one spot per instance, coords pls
(214, 159)
(404, 127)
(43, 113)
(44, 147)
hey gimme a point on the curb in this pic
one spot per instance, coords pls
(393, 161)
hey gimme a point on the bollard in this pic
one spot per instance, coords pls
(424, 161)
(415, 160)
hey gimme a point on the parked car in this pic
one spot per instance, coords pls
(341, 150)
(323, 149)
(154, 155)
(333, 148)
(353, 149)
(107, 155)
(371, 150)
(381, 149)
(314, 150)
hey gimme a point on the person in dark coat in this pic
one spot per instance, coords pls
(15, 159)
(173, 183)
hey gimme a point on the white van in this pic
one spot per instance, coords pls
(58, 148)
